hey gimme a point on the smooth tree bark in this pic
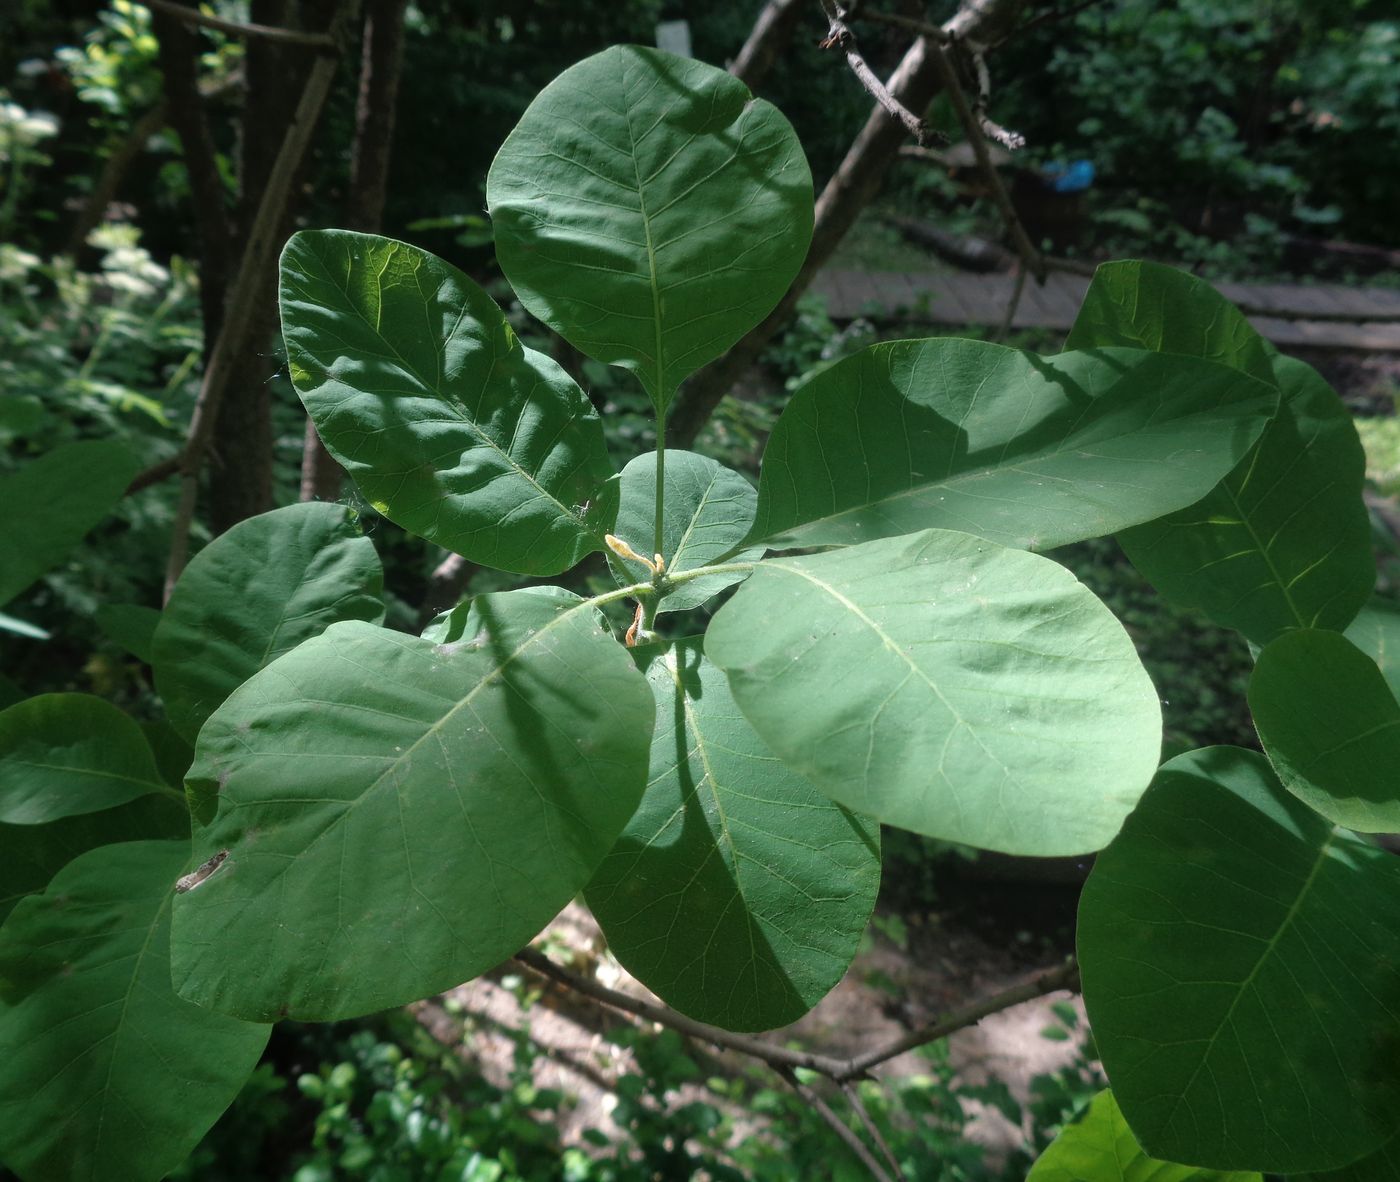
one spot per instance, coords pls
(772, 32)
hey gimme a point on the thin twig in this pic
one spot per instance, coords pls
(192, 16)
(852, 1095)
(973, 130)
(840, 36)
(838, 1070)
(923, 28)
(838, 1126)
(1013, 303)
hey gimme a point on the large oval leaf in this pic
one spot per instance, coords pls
(1331, 727)
(707, 512)
(66, 754)
(1099, 1147)
(650, 211)
(30, 855)
(1239, 959)
(452, 428)
(1285, 540)
(737, 893)
(104, 1072)
(401, 815)
(1376, 632)
(255, 593)
(52, 502)
(943, 684)
(1381, 1166)
(1021, 450)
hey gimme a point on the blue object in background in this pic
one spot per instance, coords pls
(1074, 177)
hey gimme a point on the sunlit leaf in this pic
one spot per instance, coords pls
(400, 815)
(650, 211)
(1025, 451)
(451, 427)
(943, 684)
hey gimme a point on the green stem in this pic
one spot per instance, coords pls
(700, 572)
(660, 479)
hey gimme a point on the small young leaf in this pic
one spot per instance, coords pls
(255, 593)
(52, 502)
(651, 211)
(1331, 727)
(451, 427)
(106, 1073)
(1024, 451)
(737, 892)
(62, 755)
(708, 511)
(943, 684)
(1239, 963)
(1099, 1147)
(400, 814)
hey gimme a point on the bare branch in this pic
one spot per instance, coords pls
(836, 1124)
(852, 1095)
(839, 36)
(1013, 303)
(192, 16)
(838, 1070)
(769, 37)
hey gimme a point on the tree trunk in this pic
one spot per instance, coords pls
(375, 110)
(772, 32)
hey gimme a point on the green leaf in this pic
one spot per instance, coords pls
(451, 428)
(1099, 1147)
(130, 626)
(1285, 540)
(1151, 306)
(30, 855)
(52, 502)
(66, 754)
(707, 512)
(106, 1073)
(737, 893)
(1239, 965)
(1376, 632)
(943, 684)
(1381, 1166)
(1331, 727)
(255, 593)
(402, 815)
(650, 211)
(1024, 451)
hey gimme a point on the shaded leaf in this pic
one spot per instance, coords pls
(1331, 727)
(1024, 451)
(650, 211)
(254, 593)
(106, 1073)
(30, 855)
(1099, 1147)
(66, 754)
(1376, 632)
(737, 892)
(130, 626)
(1285, 540)
(1381, 1166)
(52, 502)
(451, 428)
(708, 511)
(401, 815)
(1241, 969)
(943, 684)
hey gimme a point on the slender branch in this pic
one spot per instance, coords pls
(852, 1095)
(972, 128)
(839, 36)
(192, 16)
(913, 25)
(836, 1124)
(1013, 303)
(838, 1070)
